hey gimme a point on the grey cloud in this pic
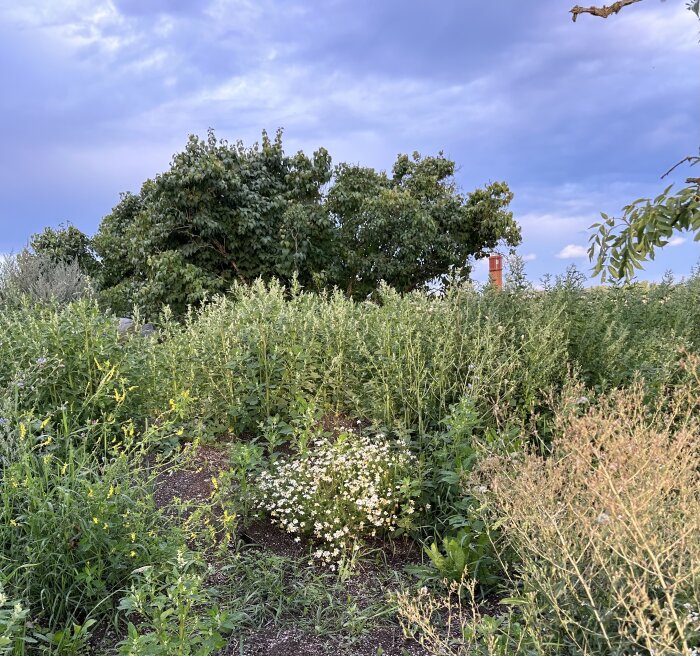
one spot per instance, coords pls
(151, 7)
(577, 118)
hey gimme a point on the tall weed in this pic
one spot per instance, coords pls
(606, 531)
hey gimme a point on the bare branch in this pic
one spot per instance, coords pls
(603, 11)
(688, 158)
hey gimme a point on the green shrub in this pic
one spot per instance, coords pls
(70, 364)
(38, 279)
(400, 362)
(12, 624)
(174, 611)
(265, 354)
(463, 542)
(72, 528)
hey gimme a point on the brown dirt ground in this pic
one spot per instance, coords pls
(193, 484)
(289, 642)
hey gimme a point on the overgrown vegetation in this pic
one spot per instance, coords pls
(601, 538)
(502, 472)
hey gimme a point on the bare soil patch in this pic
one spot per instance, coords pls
(192, 484)
(289, 642)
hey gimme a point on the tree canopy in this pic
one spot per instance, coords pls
(413, 227)
(223, 213)
(64, 245)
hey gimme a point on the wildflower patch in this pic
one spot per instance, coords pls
(341, 491)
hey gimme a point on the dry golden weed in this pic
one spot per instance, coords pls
(607, 529)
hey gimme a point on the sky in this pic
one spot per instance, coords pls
(578, 118)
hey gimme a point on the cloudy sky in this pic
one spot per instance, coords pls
(578, 118)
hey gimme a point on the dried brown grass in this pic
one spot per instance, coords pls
(602, 536)
(607, 529)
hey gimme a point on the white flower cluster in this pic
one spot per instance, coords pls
(693, 617)
(340, 491)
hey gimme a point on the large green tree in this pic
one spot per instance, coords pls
(221, 213)
(412, 228)
(224, 213)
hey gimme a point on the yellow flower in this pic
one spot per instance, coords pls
(228, 518)
(22, 431)
(132, 553)
(95, 520)
(133, 537)
(214, 482)
(90, 492)
(110, 494)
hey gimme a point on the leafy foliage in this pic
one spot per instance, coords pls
(38, 279)
(462, 385)
(65, 245)
(72, 528)
(175, 616)
(12, 618)
(221, 213)
(224, 213)
(69, 364)
(620, 246)
(413, 227)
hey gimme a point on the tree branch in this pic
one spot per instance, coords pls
(603, 11)
(693, 159)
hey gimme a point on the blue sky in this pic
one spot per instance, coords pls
(578, 118)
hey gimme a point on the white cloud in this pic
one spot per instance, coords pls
(529, 257)
(572, 251)
(74, 23)
(481, 266)
(554, 224)
(676, 241)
